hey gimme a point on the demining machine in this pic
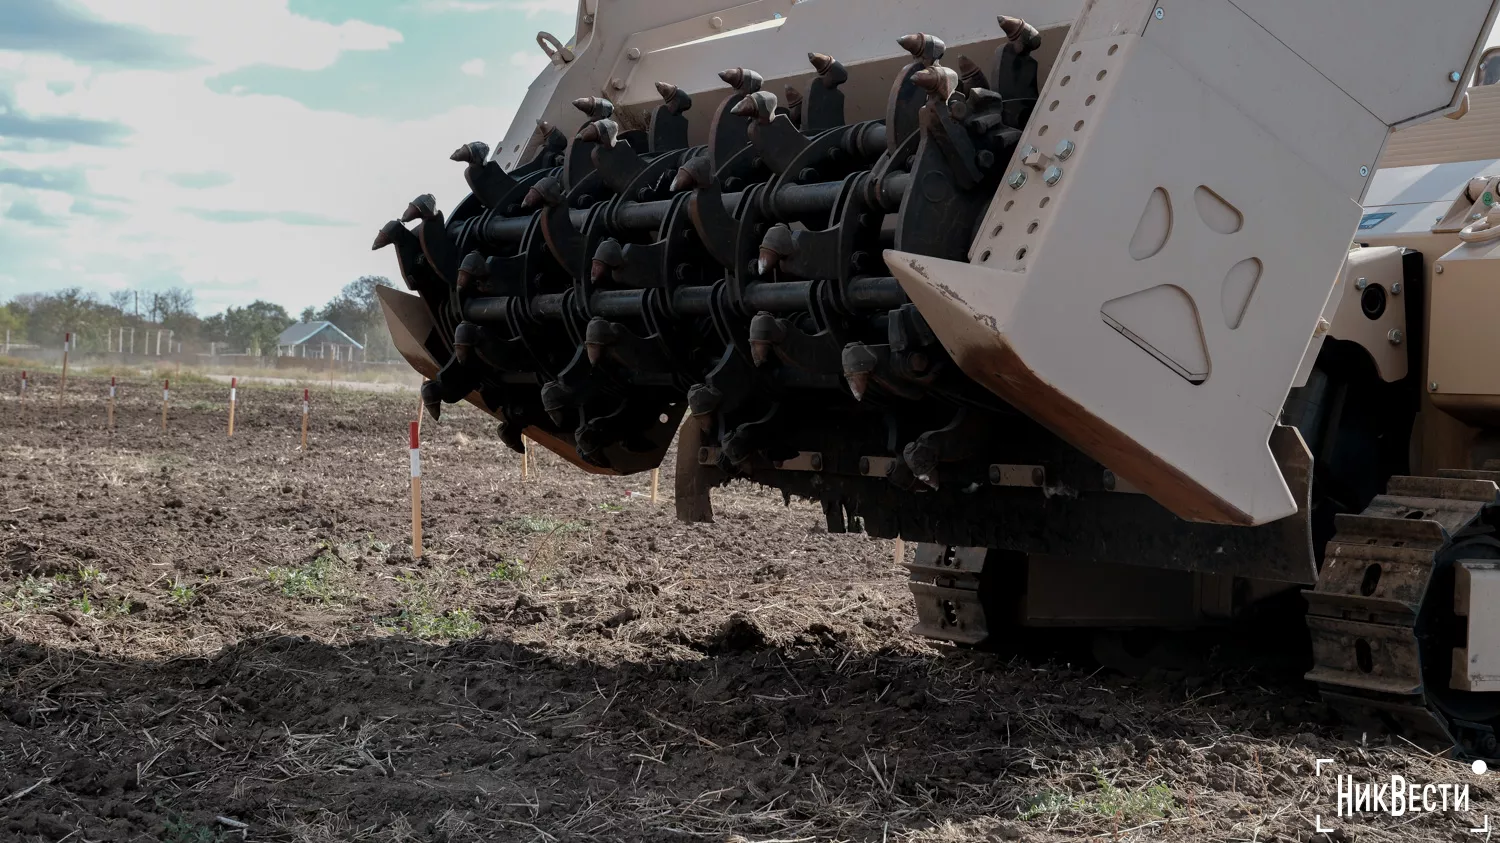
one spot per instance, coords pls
(1129, 314)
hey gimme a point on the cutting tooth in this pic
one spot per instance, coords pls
(474, 267)
(937, 80)
(858, 383)
(590, 133)
(422, 207)
(821, 62)
(742, 80)
(1021, 32)
(744, 108)
(693, 173)
(386, 236)
(667, 91)
(474, 152)
(912, 43)
(793, 97)
(596, 108)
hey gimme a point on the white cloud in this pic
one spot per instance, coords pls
(530, 7)
(236, 33)
(472, 67)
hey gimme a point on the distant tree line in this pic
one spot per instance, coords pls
(43, 318)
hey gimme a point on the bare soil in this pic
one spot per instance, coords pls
(205, 639)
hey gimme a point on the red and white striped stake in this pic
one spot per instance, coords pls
(416, 493)
(111, 403)
(67, 341)
(23, 384)
(166, 394)
(233, 382)
(305, 409)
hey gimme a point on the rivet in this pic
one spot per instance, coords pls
(1361, 284)
(1396, 289)
(1395, 336)
(1455, 76)
(1160, 13)
(1364, 171)
(1322, 328)
(716, 22)
(1437, 269)
(1109, 476)
(1432, 387)
(617, 83)
(1053, 175)
(1016, 180)
(1064, 149)
(634, 54)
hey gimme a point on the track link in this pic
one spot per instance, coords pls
(945, 586)
(1367, 614)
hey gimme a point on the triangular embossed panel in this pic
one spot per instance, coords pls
(1163, 320)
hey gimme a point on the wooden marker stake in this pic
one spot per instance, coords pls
(111, 403)
(525, 459)
(900, 552)
(67, 341)
(166, 394)
(233, 382)
(23, 384)
(416, 492)
(655, 481)
(304, 420)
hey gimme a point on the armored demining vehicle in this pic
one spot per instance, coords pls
(1132, 314)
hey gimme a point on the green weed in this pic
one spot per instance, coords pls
(611, 507)
(313, 581)
(33, 592)
(509, 570)
(418, 616)
(182, 594)
(540, 524)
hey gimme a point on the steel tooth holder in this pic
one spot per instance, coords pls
(474, 152)
(423, 207)
(761, 105)
(742, 80)
(597, 108)
(923, 47)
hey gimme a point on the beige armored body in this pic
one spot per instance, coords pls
(1064, 292)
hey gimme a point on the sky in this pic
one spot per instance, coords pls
(244, 149)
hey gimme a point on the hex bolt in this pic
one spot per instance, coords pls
(816, 462)
(1160, 13)
(1361, 284)
(634, 54)
(1455, 76)
(1432, 387)
(1395, 336)
(1064, 149)
(1364, 171)
(1053, 175)
(617, 83)
(716, 22)
(1109, 476)
(1038, 476)
(1016, 180)
(1396, 289)
(1437, 269)
(995, 474)
(864, 466)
